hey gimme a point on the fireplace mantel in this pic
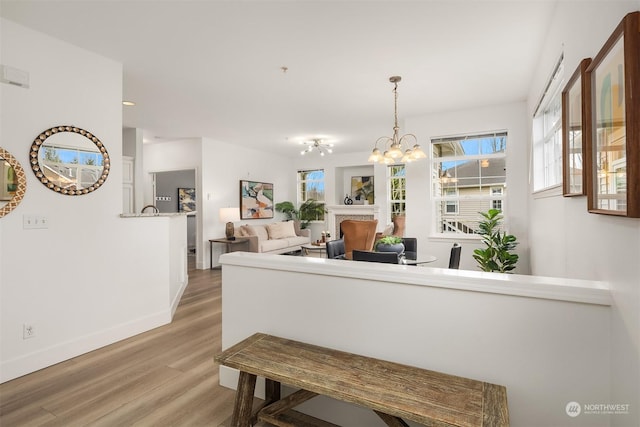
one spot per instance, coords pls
(337, 213)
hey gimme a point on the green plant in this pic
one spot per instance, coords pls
(288, 209)
(310, 210)
(496, 256)
(388, 240)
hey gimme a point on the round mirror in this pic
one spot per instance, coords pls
(69, 160)
(13, 182)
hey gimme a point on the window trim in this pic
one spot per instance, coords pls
(390, 200)
(551, 94)
(435, 201)
(300, 181)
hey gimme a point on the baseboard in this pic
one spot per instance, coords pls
(178, 297)
(49, 356)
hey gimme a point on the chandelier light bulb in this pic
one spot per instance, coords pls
(395, 152)
(417, 152)
(375, 156)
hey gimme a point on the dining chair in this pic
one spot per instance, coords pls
(410, 247)
(385, 257)
(335, 249)
(358, 234)
(454, 257)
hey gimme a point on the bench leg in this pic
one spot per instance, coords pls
(244, 401)
(391, 421)
(272, 391)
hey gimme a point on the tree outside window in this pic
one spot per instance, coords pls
(311, 188)
(397, 190)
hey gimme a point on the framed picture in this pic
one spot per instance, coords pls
(576, 105)
(186, 199)
(613, 184)
(256, 200)
(362, 189)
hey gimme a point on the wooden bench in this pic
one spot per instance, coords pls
(394, 391)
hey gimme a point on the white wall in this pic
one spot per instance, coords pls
(566, 240)
(420, 221)
(225, 165)
(530, 334)
(90, 278)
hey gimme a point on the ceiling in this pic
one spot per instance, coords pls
(214, 68)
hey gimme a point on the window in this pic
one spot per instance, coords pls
(397, 190)
(311, 187)
(469, 176)
(496, 203)
(547, 134)
(451, 206)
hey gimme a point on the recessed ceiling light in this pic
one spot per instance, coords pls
(128, 103)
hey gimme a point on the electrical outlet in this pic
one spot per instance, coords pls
(28, 330)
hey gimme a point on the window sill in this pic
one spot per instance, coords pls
(454, 237)
(554, 191)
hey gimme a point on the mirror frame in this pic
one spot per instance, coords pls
(22, 183)
(35, 165)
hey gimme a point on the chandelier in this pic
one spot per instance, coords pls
(317, 144)
(396, 147)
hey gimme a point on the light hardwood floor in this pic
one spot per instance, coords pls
(164, 377)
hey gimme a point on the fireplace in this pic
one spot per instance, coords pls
(338, 213)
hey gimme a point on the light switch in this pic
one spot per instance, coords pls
(30, 222)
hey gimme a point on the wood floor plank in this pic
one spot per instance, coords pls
(165, 376)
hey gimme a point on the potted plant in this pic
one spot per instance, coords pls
(496, 256)
(310, 210)
(390, 244)
(288, 209)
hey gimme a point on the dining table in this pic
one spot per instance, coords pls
(421, 259)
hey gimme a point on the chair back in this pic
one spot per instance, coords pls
(386, 257)
(454, 258)
(335, 248)
(358, 235)
(410, 247)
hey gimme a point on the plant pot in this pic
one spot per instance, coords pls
(397, 248)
